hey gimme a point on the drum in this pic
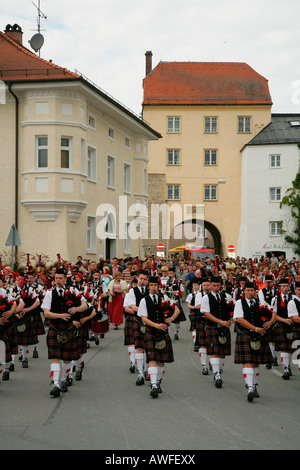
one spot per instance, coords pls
(100, 324)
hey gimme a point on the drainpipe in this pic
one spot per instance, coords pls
(16, 157)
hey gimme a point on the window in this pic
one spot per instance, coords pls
(111, 133)
(110, 171)
(210, 157)
(210, 192)
(173, 192)
(65, 152)
(42, 152)
(91, 163)
(275, 161)
(275, 194)
(211, 125)
(127, 142)
(244, 124)
(173, 157)
(83, 168)
(92, 122)
(126, 238)
(91, 234)
(275, 228)
(126, 177)
(173, 125)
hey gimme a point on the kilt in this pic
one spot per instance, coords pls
(4, 338)
(13, 339)
(138, 336)
(245, 354)
(193, 317)
(181, 317)
(67, 351)
(214, 347)
(29, 336)
(38, 324)
(128, 330)
(164, 355)
(271, 334)
(82, 338)
(282, 343)
(201, 337)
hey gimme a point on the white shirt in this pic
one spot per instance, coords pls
(6, 295)
(131, 298)
(292, 309)
(48, 297)
(205, 307)
(143, 311)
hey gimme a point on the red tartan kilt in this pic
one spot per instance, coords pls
(38, 324)
(164, 355)
(138, 336)
(193, 317)
(270, 335)
(214, 347)
(65, 352)
(4, 338)
(282, 343)
(13, 339)
(245, 354)
(128, 331)
(82, 338)
(29, 336)
(181, 317)
(201, 337)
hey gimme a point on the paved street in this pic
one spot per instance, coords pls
(107, 411)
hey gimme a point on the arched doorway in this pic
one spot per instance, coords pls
(210, 238)
(110, 237)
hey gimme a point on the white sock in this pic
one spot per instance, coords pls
(248, 375)
(256, 375)
(13, 358)
(24, 352)
(285, 359)
(272, 347)
(194, 335)
(35, 346)
(203, 356)
(215, 364)
(153, 375)
(139, 357)
(66, 369)
(160, 372)
(131, 352)
(54, 373)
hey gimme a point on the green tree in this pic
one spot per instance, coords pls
(292, 199)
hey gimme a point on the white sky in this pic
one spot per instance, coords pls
(106, 40)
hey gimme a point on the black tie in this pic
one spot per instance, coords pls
(285, 300)
(60, 292)
(251, 303)
(218, 298)
(154, 300)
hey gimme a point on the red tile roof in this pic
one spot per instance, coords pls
(205, 83)
(17, 63)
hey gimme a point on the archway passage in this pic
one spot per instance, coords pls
(211, 236)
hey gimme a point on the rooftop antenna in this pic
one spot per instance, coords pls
(37, 40)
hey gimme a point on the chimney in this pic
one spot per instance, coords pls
(14, 32)
(148, 55)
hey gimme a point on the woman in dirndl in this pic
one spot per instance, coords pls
(116, 290)
(251, 345)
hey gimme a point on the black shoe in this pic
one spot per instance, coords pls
(196, 348)
(97, 340)
(11, 367)
(5, 375)
(140, 380)
(35, 354)
(176, 336)
(251, 393)
(55, 392)
(64, 386)
(132, 368)
(25, 363)
(154, 391)
(256, 394)
(269, 365)
(78, 375)
(102, 335)
(204, 370)
(218, 380)
(69, 380)
(286, 374)
(92, 338)
(158, 386)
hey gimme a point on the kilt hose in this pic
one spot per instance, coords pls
(164, 355)
(201, 336)
(5, 339)
(82, 338)
(138, 336)
(128, 330)
(213, 345)
(29, 336)
(245, 354)
(64, 351)
(282, 342)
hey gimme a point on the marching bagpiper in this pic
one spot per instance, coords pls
(201, 337)
(294, 314)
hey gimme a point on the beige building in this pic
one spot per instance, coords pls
(67, 148)
(206, 113)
